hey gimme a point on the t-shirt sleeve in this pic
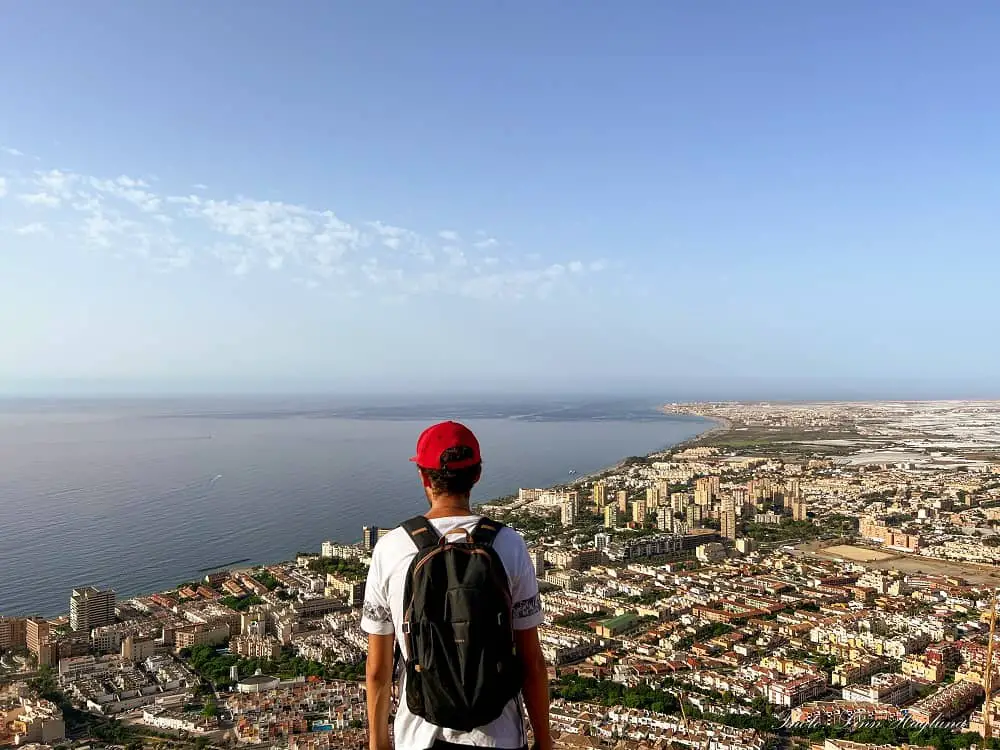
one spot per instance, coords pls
(376, 617)
(524, 588)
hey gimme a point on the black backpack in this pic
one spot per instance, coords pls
(462, 666)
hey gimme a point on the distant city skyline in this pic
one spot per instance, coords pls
(789, 201)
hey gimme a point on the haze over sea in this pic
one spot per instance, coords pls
(140, 495)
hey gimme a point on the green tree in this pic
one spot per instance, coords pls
(210, 711)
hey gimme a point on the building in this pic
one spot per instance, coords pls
(33, 721)
(256, 647)
(693, 515)
(947, 703)
(728, 519)
(611, 517)
(39, 641)
(258, 683)
(575, 559)
(336, 549)
(800, 510)
(710, 553)
(639, 512)
(369, 537)
(601, 541)
(347, 587)
(615, 625)
(664, 518)
(538, 562)
(568, 512)
(13, 633)
(894, 689)
(138, 649)
(650, 546)
(600, 494)
(201, 635)
(622, 501)
(90, 608)
(652, 497)
(745, 545)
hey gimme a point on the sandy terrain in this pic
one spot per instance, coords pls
(876, 560)
(857, 554)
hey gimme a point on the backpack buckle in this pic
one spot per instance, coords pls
(406, 627)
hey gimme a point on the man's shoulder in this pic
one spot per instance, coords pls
(509, 542)
(392, 544)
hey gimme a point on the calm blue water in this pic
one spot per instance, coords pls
(139, 495)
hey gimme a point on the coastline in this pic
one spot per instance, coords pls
(721, 425)
(248, 564)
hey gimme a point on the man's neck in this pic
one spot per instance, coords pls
(449, 506)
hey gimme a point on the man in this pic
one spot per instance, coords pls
(449, 465)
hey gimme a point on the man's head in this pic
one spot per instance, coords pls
(449, 462)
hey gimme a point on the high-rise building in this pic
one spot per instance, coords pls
(639, 512)
(693, 515)
(13, 633)
(568, 512)
(90, 608)
(600, 494)
(622, 501)
(728, 518)
(652, 498)
(793, 489)
(707, 488)
(601, 541)
(611, 516)
(538, 560)
(663, 488)
(680, 500)
(38, 638)
(369, 537)
(800, 510)
(664, 518)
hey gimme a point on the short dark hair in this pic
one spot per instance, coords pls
(454, 481)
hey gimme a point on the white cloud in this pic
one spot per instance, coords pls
(3, 187)
(126, 216)
(199, 186)
(11, 151)
(41, 199)
(34, 228)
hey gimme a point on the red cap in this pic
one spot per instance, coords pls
(435, 440)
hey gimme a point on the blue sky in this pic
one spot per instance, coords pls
(798, 198)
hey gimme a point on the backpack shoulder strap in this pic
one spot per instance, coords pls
(486, 531)
(422, 532)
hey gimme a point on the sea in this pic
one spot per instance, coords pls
(142, 494)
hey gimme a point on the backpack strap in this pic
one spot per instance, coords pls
(422, 532)
(486, 531)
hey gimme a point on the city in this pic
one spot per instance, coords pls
(804, 575)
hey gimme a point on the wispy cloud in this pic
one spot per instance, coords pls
(41, 199)
(36, 227)
(11, 151)
(314, 247)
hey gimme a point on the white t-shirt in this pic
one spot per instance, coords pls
(383, 615)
